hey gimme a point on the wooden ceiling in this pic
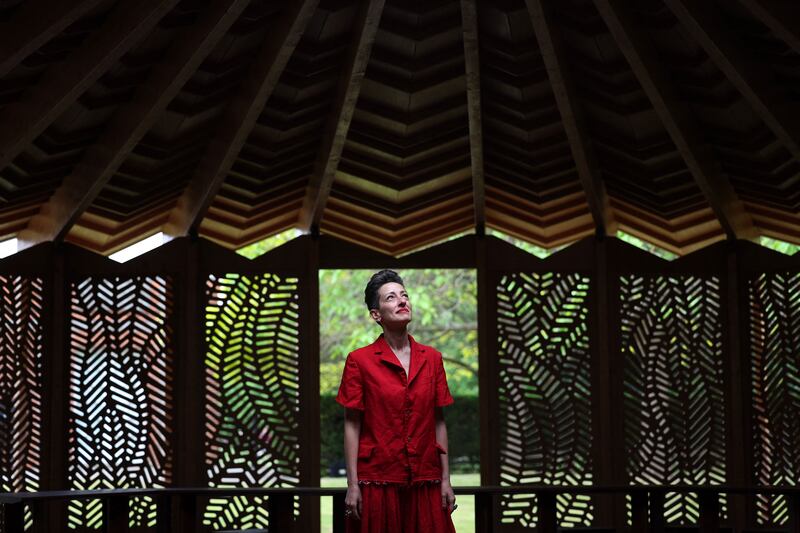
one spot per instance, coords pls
(395, 124)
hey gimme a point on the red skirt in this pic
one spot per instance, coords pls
(388, 508)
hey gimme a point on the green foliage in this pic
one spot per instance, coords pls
(445, 317)
(538, 251)
(779, 246)
(462, 428)
(646, 246)
(251, 251)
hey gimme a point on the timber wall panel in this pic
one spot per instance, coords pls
(594, 353)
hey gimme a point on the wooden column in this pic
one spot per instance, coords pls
(189, 438)
(738, 399)
(309, 389)
(55, 391)
(607, 382)
(487, 385)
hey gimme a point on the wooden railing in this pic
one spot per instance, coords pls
(178, 509)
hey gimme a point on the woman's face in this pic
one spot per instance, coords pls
(394, 307)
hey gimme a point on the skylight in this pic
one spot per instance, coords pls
(8, 247)
(142, 247)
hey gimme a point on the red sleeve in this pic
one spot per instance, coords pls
(351, 393)
(443, 396)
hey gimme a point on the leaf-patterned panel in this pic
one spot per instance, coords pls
(20, 384)
(121, 400)
(545, 400)
(775, 373)
(252, 392)
(671, 338)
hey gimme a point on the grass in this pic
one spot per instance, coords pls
(463, 517)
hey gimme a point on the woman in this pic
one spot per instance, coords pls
(395, 438)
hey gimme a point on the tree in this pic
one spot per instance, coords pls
(445, 316)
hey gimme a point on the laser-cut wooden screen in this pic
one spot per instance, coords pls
(774, 301)
(252, 392)
(674, 410)
(545, 400)
(20, 383)
(121, 374)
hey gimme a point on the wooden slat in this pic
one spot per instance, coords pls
(750, 76)
(546, 513)
(564, 90)
(469, 19)
(115, 514)
(62, 84)
(677, 119)
(34, 24)
(319, 187)
(709, 512)
(780, 16)
(130, 124)
(239, 117)
(338, 513)
(280, 508)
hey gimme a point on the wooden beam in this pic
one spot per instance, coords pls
(677, 118)
(469, 20)
(319, 187)
(750, 76)
(130, 123)
(62, 84)
(780, 16)
(566, 95)
(34, 24)
(240, 117)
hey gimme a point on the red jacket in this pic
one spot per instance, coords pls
(398, 437)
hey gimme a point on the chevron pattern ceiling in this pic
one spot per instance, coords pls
(395, 124)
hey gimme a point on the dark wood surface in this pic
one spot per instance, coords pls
(547, 120)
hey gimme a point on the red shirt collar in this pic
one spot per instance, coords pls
(386, 354)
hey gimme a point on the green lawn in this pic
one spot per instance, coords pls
(463, 517)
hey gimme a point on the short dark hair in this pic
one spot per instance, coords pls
(378, 280)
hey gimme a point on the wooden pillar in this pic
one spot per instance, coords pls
(309, 519)
(736, 371)
(189, 437)
(51, 515)
(607, 398)
(487, 388)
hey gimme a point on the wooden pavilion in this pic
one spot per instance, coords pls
(618, 390)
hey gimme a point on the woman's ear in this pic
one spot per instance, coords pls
(376, 316)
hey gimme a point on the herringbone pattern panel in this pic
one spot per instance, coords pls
(121, 371)
(20, 384)
(671, 338)
(545, 401)
(252, 392)
(775, 350)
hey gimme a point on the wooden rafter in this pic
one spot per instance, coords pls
(130, 124)
(469, 20)
(565, 93)
(752, 78)
(35, 24)
(780, 16)
(61, 85)
(321, 181)
(240, 117)
(677, 119)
